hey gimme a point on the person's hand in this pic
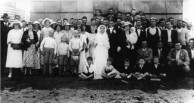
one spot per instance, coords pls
(128, 41)
(118, 49)
(28, 40)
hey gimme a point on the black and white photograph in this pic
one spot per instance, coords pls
(97, 51)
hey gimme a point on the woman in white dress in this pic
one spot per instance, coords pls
(101, 51)
(84, 53)
(14, 52)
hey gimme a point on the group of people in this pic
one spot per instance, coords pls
(113, 46)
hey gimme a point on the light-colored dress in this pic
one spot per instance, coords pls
(83, 53)
(45, 31)
(101, 53)
(92, 45)
(14, 57)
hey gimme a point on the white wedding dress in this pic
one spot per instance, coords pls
(101, 53)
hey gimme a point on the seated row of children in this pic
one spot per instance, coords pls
(142, 70)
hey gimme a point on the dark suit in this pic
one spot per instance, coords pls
(113, 39)
(141, 37)
(191, 60)
(143, 70)
(162, 56)
(164, 38)
(88, 29)
(157, 71)
(4, 32)
(129, 70)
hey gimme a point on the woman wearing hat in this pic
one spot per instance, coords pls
(47, 27)
(29, 41)
(14, 52)
(67, 32)
(126, 42)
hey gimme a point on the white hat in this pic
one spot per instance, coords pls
(67, 23)
(16, 22)
(53, 22)
(36, 22)
(43, 22)
(127, 24)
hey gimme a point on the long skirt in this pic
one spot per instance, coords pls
(29, 57)
(14, 58)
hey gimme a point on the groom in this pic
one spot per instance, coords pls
(112, 34)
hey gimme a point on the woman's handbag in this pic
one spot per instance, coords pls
(16, 46)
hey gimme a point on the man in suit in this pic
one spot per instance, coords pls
(84, 22)
(112, 34)
(111, 15)
(162, 24)
(161, 52)
(141, 70)
(169, 36)
(4, 32)
(145, 52)
(141, 33)
(157, 69)
(178, 61)
(190, 50)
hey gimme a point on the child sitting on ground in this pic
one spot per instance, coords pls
(141, 70)
(49, 49)
(126, 70)
(63, 54)
(88, 72)
(157, 70)
(109, 71)
(75, 46)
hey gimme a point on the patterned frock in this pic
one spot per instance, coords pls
(29, 55)
(38, 57)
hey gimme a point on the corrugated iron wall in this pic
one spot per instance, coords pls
(10, 8)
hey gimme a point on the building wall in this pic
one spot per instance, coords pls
(60, 9)
(11, 7)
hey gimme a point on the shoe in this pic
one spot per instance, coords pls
(10, 75)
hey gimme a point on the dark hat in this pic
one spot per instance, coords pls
(5, 15)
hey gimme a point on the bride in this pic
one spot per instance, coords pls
(101, 51)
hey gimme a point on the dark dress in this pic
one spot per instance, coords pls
(125, 53)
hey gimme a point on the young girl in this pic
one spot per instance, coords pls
(63, 54)
(49, 49)
(109, 71)
(88, 71)
(29, 41)
(75, 46)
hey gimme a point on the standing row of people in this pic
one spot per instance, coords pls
(71, 45)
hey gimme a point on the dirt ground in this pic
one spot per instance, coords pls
(72, 90)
